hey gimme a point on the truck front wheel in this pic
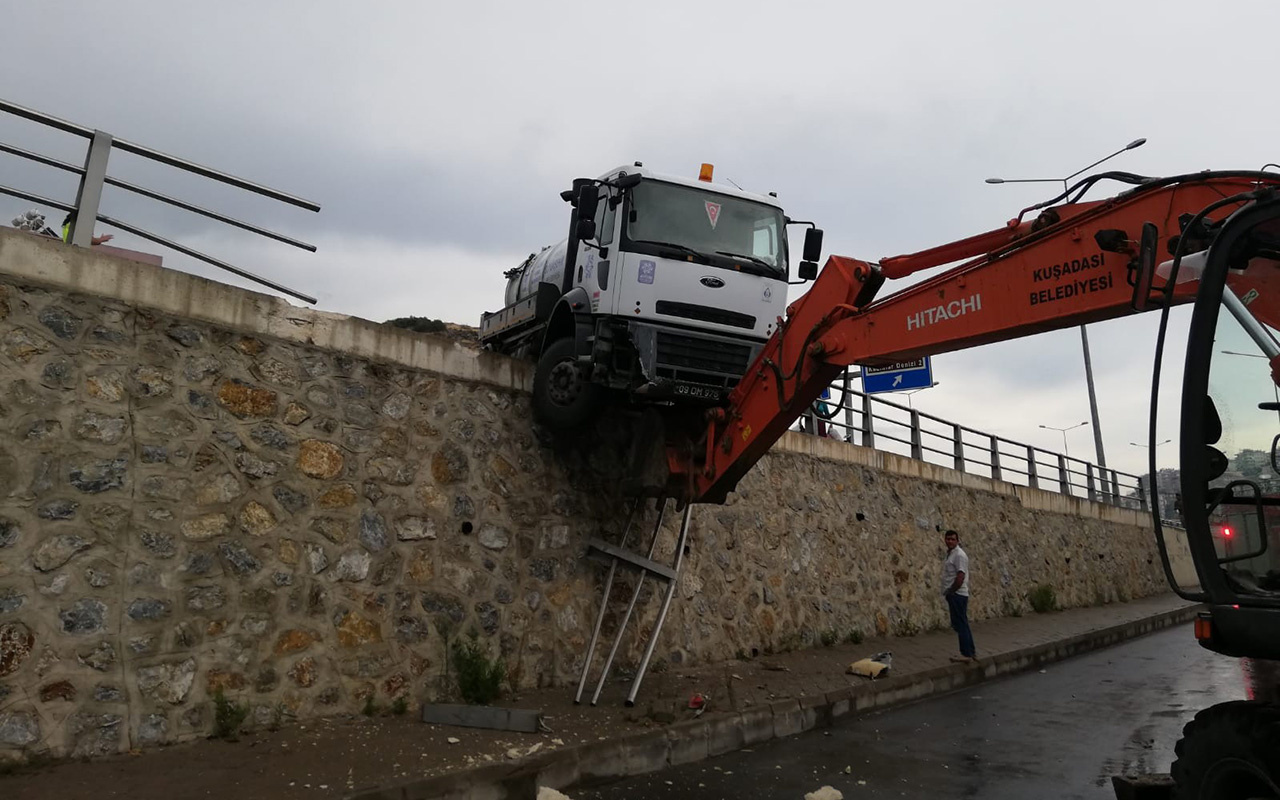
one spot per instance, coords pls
(564, 398)
(1230, 751)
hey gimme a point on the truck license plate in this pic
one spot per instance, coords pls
(700, 392)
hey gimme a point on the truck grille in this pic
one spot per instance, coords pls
(719, 316)
(698, 360)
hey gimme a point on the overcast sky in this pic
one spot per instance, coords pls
(437, 137)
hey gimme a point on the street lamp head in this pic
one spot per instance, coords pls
(1135, 144)
(995, 180)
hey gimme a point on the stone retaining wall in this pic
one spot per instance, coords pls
(206, 489)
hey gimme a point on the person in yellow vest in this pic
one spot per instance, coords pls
(66, 232)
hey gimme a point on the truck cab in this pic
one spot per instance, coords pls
(664, 291)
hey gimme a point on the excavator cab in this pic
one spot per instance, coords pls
(1229, 465)
(1230, 433)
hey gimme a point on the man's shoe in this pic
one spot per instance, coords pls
(961, 659)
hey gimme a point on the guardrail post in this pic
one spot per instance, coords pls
(1142, 494)
(1033, 479)
(846, 382)
(810, 422)
(917, 446)
(1064, 484)
(868, 422)
(959, 434)
(1115, 488)
(1093, 491)
(89, 195)
(995, 459)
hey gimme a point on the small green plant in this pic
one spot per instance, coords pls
(370, 708)
(829, 637)
(1042, 599)
(741, 655)
(479, 676)
(906, 627)
(227, 717)
(660, 666)
(400, 706)
(854, 637)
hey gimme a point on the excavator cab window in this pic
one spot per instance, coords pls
(1230, 486)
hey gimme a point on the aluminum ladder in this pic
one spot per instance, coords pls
(645, 566)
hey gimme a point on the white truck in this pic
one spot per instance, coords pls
(664, 291)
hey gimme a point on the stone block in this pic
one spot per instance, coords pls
(815, 712)
(601, 761)
(560, 769)
(688, 742)
(725, 734)
(841, 702)
(788, 720)
(757, 725)
(646, 752)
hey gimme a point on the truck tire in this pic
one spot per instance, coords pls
(564, 398)
(1230, 751)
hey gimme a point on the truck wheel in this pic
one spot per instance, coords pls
(564, 398)
(1230, 751)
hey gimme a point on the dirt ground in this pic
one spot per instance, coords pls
(332, 757)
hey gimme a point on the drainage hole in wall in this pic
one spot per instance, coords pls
(466, 527)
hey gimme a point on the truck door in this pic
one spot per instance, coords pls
(597, 258)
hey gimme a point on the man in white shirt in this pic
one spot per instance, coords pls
(955, 588)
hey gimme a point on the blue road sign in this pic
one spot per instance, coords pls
(900, 377)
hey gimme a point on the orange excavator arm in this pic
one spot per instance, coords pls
(1073, 264)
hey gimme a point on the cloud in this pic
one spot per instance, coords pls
(438, 136)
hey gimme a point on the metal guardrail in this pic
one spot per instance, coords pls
(874, 422)
(93, 177)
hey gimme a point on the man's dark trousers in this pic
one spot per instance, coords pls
(959, 605)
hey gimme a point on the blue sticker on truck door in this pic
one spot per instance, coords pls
(647, 269)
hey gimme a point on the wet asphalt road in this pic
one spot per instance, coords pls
(1060, 734)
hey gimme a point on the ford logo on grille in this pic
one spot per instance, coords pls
(711, 283)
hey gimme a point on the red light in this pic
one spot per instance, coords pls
(1226, 532)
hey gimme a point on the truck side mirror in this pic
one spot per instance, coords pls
(586, 229)
(588, 199)
(812, 248)
(808, 270)
(628, 181)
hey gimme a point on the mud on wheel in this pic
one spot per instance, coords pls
(1230, 751)
(564, 398)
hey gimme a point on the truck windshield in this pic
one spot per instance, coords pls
(723, 230)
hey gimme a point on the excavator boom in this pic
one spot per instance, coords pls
(1075, 263)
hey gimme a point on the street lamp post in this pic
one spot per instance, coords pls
(1084, 336)
(1065, 449)
(1093, 407)
(921, 389)
(1135, 444)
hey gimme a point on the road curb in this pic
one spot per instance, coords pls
(716, 734)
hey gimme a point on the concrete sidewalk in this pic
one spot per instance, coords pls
(749, 701)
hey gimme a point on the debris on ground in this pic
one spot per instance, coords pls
(825, 793)
(547, 793)
(873, 666)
